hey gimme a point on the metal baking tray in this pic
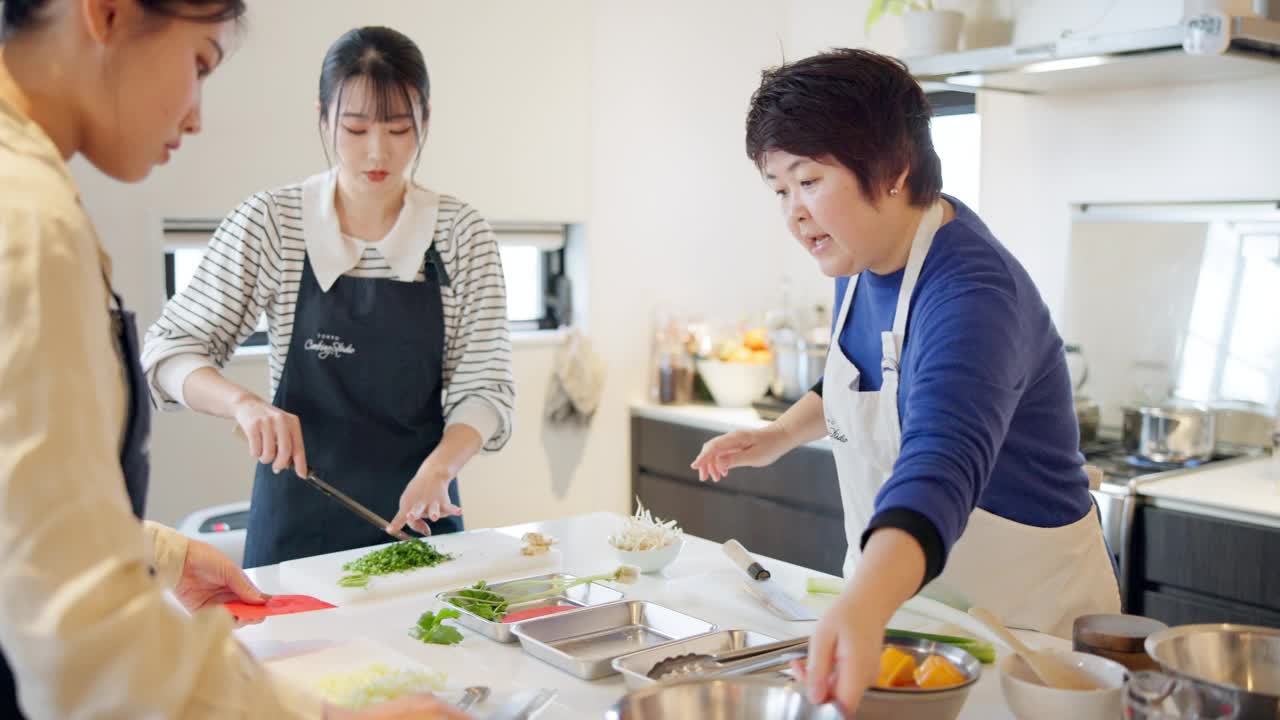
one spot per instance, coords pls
(584, 643)
(578, 596)
(636, 666)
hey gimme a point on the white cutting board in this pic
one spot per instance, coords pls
(305, 670)
(478, 555)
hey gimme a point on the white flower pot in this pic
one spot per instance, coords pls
(929, 32)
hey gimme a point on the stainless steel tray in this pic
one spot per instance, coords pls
(585, 642)
(578, 596)
(636, 666)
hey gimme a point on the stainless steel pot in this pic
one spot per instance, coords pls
(1238, 664)
(1174, 433)
(1241, 425)
(798, 363)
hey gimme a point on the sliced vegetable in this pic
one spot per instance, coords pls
(531, 613)
(896, 668)
(643, 531)
(377, 683)
(937, 672)
(821, 585)
(395, 558)
(431, 628)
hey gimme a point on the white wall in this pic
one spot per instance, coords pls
(1180, 143)
(1130, 290)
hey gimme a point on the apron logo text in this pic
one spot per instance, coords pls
(327, 346)
(834, 431)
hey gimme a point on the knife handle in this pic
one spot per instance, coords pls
(743, 560)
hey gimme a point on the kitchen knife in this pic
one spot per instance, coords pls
(345, 500)
(760, 584)
(523, 705)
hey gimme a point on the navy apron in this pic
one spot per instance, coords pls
(364, 375)
(134, 460)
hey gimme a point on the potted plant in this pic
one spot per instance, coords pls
(928, 30)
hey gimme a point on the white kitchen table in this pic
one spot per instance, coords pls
(701, 583)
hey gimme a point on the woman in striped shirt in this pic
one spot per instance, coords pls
(386, 309)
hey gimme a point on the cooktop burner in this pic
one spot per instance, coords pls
(1122, 467)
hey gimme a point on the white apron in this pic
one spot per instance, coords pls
(1029, 577)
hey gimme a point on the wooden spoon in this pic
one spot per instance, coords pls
(1052, 671)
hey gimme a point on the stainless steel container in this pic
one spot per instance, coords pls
(1239, 663)
(636, 666)
(1169, 433)
(578, 596)
(585, 642)
(749, 698)
(798, 362)
(725, 699)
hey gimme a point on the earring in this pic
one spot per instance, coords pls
(893, 192)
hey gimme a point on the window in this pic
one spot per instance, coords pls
(533, 263)
(184, 246)
(957, 138)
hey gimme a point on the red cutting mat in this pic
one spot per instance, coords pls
(277, 605)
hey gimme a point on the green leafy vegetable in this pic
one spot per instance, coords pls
(396, 558)
(480, 601)
(431, 628)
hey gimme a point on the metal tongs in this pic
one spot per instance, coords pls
(734, 662)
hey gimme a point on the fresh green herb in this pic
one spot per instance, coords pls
(431, 628)
(484, 602)
(480, 601)
(396, 558)
(984, 651)
(824, 585)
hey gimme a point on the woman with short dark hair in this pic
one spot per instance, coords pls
(946, 394)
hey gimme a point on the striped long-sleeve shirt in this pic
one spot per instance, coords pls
(254, 264)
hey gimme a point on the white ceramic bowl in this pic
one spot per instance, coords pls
(1030, 700)
(735, 384)
(650, 561)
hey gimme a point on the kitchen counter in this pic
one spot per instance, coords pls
(1244, 491)
(709, 417)
(701, 583)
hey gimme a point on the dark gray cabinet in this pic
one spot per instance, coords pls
(790, 510)
(1194, 568)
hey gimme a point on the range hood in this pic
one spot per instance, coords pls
(1202, 48)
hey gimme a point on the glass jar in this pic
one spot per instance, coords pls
(1151, 695)
(671, 375)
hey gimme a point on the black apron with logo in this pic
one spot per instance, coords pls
(134, 460)
(364, 375)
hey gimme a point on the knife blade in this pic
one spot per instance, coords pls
(760, 584)
(343, 499)
(349, 503)
(524, 705)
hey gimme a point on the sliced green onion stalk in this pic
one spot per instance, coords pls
(984, 651)
(819, 585)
